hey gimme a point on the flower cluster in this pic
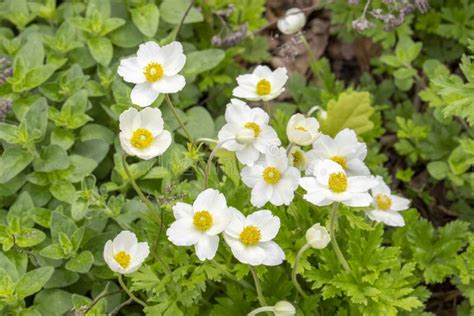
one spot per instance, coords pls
(331, 171)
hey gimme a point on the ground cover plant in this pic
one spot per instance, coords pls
(236, 157)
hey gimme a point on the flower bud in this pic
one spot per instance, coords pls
(317, 236)
(302, 130)
(245, 136)
(292, 22)
(284, 308)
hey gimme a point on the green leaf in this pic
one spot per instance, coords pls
(172, 11)
(101, 49)
(51, 158)
(438, 169)
(201, 61)
(146, 18)
(63, 191)
(8, 133)
(33, 281)
(79, 209)
(29, 237)
(200, 123)
(351, 110)
(53, 251)
(13, 161)
(81, 263)
(36, 119)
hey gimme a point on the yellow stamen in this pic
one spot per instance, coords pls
(123, 259)
(255, 127)
(153, 72)
(383, 201)
(202, 220)
(301, 128)
(264, 87)
(141, 138)
(271, 175)
(337, 182)
(251, 235)
(340, 160)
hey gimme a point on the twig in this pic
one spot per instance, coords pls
(119, 307)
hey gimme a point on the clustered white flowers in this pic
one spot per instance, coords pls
(333, 170)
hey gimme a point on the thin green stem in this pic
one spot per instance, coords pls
(184, 17)
(306, 45)
(261, 310)
(258, 287)
(293, 273)
(267, 107)
(332, 226)
(130, 294)
(185, 130)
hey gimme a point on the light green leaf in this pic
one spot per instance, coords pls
(172, 12)
(101, 49)
(146, 18)
(29, 237)
(13, 161)
(351, 110)
(82, 263)
(51, 158)
(200, 123)
(201, 61)
(33, 281)
(63, 191)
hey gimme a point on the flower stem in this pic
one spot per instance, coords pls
(188, 135)
(258, 287)
(306, 45)
(267, 107)
(261, 310)
(209, 161)
(293, 273)
(130, 294)
(332, 226)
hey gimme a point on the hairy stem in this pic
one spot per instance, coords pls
(261, 310)
(209, 161)
(173, 109)
(332, 226)
(293, 273)
(130, 294)
(258, 287)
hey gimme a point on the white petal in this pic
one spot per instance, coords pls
(381, 187)
(152, 120)
(253, 255)
(248, 155)
(324, 168)
(158, 147)
(347, 143)
(358, 200)
(238, 112)
(399, 203)
(317, 198)
(360, 184)
(143, 94)
(129, 121)
(274, 255)
(124, 241)
(183, 233)
(251, 175)
(266, 222)
(261, 194)
(220, 220)
(236, 225)
(262, 71)
(210, 200)
(207, 246)
(387, 217)
(267, 141)
(131, 71)
(109, 256)
(278, 159)
(148, 52)
(171, 84)
(356, 167)
(137, 256)
(278, 78)
(259, 116)
(172, 58)
(324, 147)
(182, 210)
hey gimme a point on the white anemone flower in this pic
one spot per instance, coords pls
(247, 132)
(251, 238)
(302, 130)
(330, 184)
(153, 70)
(142, 133)
(344, 149)
(292, 22)
(271, 179)
(263, 84)
(125, 254)
(297, 158)
(386, 206)
(199, 224)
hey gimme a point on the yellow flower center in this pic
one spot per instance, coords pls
(299, 160)
(340, 160)
(255, 127)
(264, 87)
(153, 72)
(123, 259)
(271, 175)
(337, 182)
(301, 128)
(383, 201)
(141, 138)
(251, 235)
(202, 220)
